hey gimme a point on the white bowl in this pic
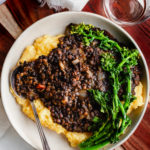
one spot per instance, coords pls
(53, 25)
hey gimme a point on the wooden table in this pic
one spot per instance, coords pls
(17, 15)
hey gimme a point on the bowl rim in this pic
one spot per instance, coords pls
(90, 15)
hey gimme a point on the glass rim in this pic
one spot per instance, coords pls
(109, 14)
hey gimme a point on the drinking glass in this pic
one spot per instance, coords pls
(127, 12)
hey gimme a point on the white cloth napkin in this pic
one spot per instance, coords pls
(4, 123)
(9, 139)
(72, 5)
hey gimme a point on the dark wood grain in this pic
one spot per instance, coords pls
(6, 41)
(27, 12)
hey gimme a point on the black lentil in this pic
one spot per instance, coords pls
(61, 81)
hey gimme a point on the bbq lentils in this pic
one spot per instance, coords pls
(61, 81)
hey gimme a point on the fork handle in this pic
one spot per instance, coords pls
(40, 129)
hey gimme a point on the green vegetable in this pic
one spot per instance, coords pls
(96, 147)
(116, 122)
(100, 98)
(89, 35)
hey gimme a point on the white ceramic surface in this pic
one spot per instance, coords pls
(53, 25)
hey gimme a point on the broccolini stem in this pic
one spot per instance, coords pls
(96, 136)
(129, 88)
(96, 147)
(115, 98)
(105, 137)
(103, 125)
(122, 110)
(123, 128)
(124, 116)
